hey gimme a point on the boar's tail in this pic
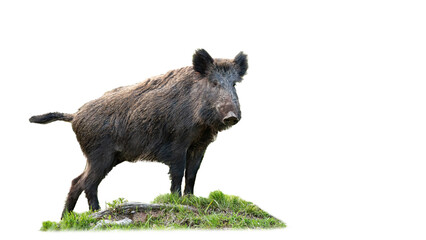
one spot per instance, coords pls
(51, 117)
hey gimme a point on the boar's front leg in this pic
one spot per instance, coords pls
(193, 161)
(177, 168)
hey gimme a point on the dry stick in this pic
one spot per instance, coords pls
(128, 208)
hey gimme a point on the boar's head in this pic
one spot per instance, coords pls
(221, 107)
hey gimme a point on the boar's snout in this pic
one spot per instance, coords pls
(230, 119)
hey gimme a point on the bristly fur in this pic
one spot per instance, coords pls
(170, 118)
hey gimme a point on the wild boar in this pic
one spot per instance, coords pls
(170, 118)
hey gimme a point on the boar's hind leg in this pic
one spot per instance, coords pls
(193, 162)
(98, 166)
(74, 193)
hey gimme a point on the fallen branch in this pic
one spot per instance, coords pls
(133, 207)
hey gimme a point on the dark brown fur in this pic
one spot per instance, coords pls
(171, 118)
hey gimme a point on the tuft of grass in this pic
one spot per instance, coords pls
(217, 211)
(216, 202)
(71, 221)
(50, 226)
(223, 211)
(115, 203)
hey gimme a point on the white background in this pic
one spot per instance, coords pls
(333, 135)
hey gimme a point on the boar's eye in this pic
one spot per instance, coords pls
(214, 83)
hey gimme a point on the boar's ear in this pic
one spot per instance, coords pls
(241, 61)
(201, 60)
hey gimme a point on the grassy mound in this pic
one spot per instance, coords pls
(218, 211)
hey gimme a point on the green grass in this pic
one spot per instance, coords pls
(71, 221)
(218, 211)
